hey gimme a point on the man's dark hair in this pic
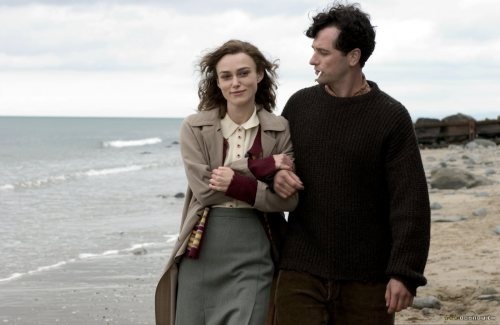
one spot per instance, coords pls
(356, 31)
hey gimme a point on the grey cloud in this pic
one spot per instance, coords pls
(260, 7)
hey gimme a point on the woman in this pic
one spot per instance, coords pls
(230, 149)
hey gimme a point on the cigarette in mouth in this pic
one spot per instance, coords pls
(319, 75)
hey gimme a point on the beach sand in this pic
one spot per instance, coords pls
(463, 266)
(464, 259)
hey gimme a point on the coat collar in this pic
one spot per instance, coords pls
(268, 121)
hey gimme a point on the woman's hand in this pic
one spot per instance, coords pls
(283, 161)
(221, 178)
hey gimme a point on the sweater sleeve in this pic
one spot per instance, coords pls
(242, 188)
(263, 169)
(409, 204)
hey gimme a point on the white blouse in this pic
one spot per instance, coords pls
(240, 139)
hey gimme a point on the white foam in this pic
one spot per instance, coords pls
(48, 267)
(52, 180)
(12, 277)
(110, 171)
(131, 143)
(111, 252)
(7, 187)
(85, 256)
(40, 269)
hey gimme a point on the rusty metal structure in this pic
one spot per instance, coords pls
(456, 129)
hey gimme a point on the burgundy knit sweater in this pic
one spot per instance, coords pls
(364, 213)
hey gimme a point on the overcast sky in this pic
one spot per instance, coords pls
(138, 58)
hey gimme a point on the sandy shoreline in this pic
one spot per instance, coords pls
(463, 266)
(111, 290)
(464, 259)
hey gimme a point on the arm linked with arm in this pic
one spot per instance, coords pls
(198, 170)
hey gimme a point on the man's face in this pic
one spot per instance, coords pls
(332, 63)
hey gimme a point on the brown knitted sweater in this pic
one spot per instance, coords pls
(364, 213)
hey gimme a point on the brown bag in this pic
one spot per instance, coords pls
(196, 237)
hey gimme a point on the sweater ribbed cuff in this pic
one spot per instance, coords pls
(410, 286)
(242, 188)
(262, 169)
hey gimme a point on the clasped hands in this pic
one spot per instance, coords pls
(222, 176)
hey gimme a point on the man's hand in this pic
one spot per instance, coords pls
(397, 297)
(286, 183)
(221, 178)
(283, 161)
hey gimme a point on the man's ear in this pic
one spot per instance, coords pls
(354, 56)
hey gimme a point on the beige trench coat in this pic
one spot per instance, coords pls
(202, 151)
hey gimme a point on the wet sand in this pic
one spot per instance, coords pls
(111, 290)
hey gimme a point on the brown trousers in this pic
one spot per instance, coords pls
(302, 298)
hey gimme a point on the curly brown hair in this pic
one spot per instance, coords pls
(209, 93)
(356, 31)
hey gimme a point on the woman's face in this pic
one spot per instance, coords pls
(238, 80)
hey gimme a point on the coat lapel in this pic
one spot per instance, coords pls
(269, 123)
(268, 143)
(211, 136)
(214, 142)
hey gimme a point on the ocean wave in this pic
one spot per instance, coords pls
(131, 143)
(117, 170)
(53, 180)
(86, 256)
(40, 269)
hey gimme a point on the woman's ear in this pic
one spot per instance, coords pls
(260, 76)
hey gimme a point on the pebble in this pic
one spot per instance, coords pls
(427, 311)
(489, 297)
(489, 172)
(179, 195)
(469, 162)
(497, 230)
(489, 291)
(480, 143)
(436, 206)
(482, 212)
(139, 251)
(426, 302)
(482, 194)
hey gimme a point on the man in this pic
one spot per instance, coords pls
(358, 241)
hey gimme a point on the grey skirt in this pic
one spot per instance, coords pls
(230, 282)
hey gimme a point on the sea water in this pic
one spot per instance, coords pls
(74, 189)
